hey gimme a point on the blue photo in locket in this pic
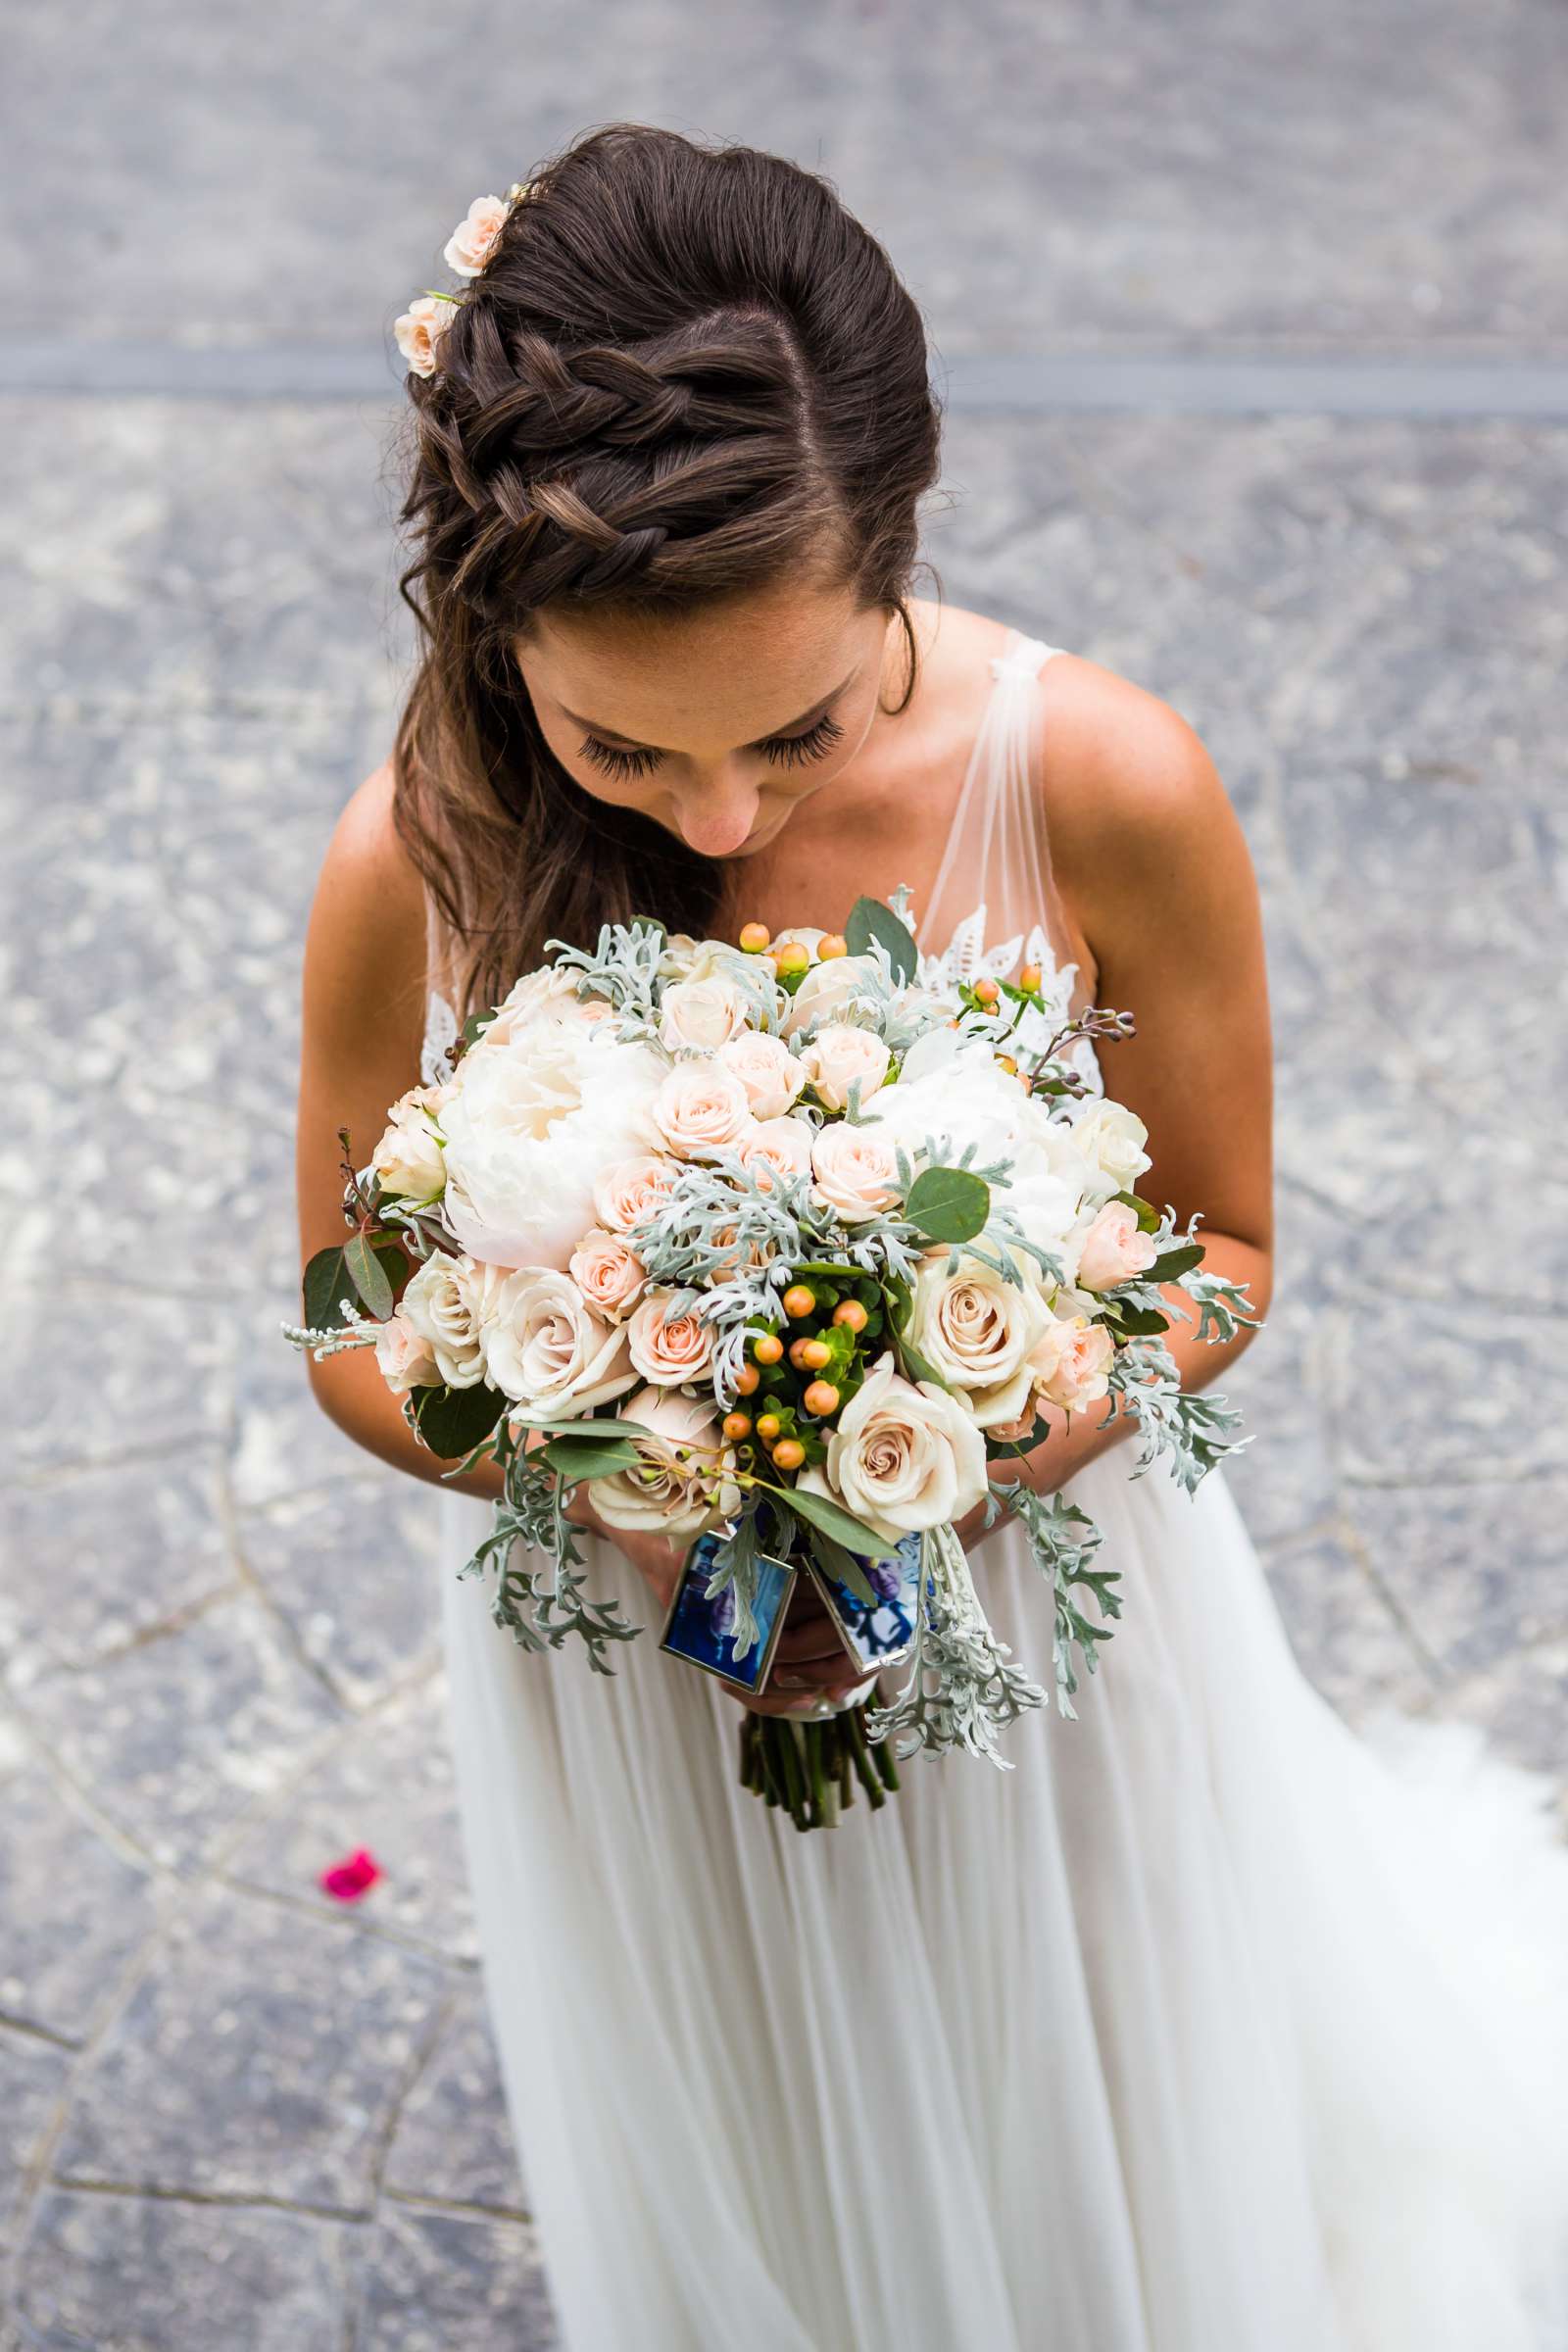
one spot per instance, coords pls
(700, 1623)
(880, 1632)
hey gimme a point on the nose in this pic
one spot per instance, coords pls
(716, 818)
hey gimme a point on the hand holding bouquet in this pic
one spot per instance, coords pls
(776, 1248)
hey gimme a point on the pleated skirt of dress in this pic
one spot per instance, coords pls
(1212, 2025)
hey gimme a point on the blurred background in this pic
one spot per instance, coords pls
(1253, 333)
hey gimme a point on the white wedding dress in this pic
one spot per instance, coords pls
(1211, 2027)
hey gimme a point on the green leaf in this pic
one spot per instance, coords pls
(1138, 1322)
(949, 1205)
(326, 1280)
(451, 1421)
(835, 1521)
(1172, 1263)
(1148, 1217)
(604, 1431)
(844, 1565)
(578, 1458)
(368, 1275)
(869, 919)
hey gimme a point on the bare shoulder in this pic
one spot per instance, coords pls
(366, 944)
(1138, 816)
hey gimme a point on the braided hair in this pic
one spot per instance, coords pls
(682, 372)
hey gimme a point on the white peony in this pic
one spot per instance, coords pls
(683, 1482)
(442, 1304)
(530, 1124)
(976, 1331)
(901, 1457)
(545, 1347)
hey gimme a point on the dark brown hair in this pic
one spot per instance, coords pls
(681, 371)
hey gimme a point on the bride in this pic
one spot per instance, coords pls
(1210, 2027)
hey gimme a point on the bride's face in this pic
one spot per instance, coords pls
(718, 725)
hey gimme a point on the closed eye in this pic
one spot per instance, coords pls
(784, 751)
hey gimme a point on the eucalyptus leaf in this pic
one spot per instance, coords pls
(578, 1458)
(869, 919)
(949, 1205)
(1147, 1216)
(326, 1280)
(835, 1521)
(1172, 1263)
(369, 1276)
(452, 1421)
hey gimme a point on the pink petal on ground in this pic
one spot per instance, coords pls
(349, 1880)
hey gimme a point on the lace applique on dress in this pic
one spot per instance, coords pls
(440, 1031)
(966, 957)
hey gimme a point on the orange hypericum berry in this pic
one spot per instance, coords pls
(1026, 1082)
(797, 1349)
(1029, 978)
(748, 1380)
(851, 1313)
(830, 948)
(821, 1399)
(756, 938)
(736, 1426)
(798, 1301)
(769, 1426)
(789, 1453)
(814, 1354)
(986, 992)
(792, 958)
(1005, 1061)
(768, 1348)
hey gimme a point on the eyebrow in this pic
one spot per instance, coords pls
(630, 744)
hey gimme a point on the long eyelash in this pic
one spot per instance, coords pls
(617, 762)
(792, 749)
(787, 749)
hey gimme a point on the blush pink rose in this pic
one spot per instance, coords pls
(419, 331)
(766, 1069)
(668, 1350)
(784, 1145)
(404, 1356)
(838, 1058)
(630, 1190)
(607, 1271)
(855, 1171)
(1114, 1250)
(471, 243)
(702, 1108)
(1070, 1363)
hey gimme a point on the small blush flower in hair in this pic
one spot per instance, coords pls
(468, 249)
(421, 327)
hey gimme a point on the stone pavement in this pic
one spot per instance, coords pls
(232, 2112)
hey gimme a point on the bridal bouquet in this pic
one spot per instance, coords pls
(777, 1249)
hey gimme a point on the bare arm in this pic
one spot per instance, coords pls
(1162, 882)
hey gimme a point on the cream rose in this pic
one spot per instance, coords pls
(856, 1170)
(766, 1069)
(782, 1145)
(404, 1356)
(976, 1330)
(419, 331)
(1110, 1139)
(472, 242)
(828, 989)
(442, 1304)
(607, 1271)
(1113, 1249)
(901, 1457)
(683, 1482)
(407, 1158)
(840, 1056)
(700, 1109)
(632, 1189)
(701, 1016)
(1070, 1361)
(546, 1349)
(668, 1350)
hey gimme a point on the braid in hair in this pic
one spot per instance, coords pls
(679, 372)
